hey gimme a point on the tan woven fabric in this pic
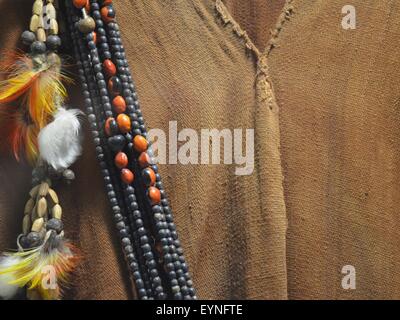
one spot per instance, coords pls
(324, 105)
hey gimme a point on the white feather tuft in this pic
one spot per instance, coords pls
(7, 290)
(60, 141)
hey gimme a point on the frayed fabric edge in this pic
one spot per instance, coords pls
(227, 19)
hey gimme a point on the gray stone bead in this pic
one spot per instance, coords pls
(33, 239)
(53, 42)
(55, 224)
(126, 241)
(38, 47)
(175, 289)
(86, 25)
(28, 37)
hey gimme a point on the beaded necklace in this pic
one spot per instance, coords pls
(139, 202)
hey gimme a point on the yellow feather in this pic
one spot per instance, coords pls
(38, 82)
(28, 268)
(16, 86)
(46, 94)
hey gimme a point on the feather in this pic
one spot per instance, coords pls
(21, 76)
(7, 290)
(29, 268)
(39, 81)
(60, 141)
(47, 92)
(20, 134)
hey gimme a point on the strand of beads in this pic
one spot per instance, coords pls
(173, 254)
(141, 285)
(43, 28)
(95, 113)
(122, 126)
(116, 129)
(127, 138)
(140, 144)
(120, 108)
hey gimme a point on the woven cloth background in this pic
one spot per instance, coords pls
(324, 103)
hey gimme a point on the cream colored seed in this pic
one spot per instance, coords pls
(37, 7)
(26, 224)
(50, 11)
(37, 225)
(30, 204)
(43, 189)
(41, 207)
(53, 26)
(34, 25)
(41, 34)
(56, 211)
(52, 197)
(34, 191)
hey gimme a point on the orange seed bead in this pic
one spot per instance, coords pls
(127, 176)
(80, 3)
(149, 177)
(109, 67)
(140, 143)
(107, 126)
(154, 195)
(121, 160)
(144, 160)
(119, 104)
(124, 123)
(107, 14)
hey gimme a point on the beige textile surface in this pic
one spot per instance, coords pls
(324, 105)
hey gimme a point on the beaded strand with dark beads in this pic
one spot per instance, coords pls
(175, 255)
(173, 260)
(90, 94)
(40, 38)
(127, 175)
(119, 106)
(138, 124)
(171, 257)
(134, 265)
(150, 262)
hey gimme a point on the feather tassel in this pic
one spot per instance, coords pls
(19, 134)
(7, 290)
(21, 76)
(60, 141)
(39, 81)
(56, 258)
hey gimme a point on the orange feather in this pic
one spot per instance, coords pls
(33, 83)
(20, 135)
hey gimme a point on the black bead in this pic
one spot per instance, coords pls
(55, 224)
(28, 37)
(142, 293)
(115, 85)
(33, 239)
(146, 248)
(151, 264)
(38, 47)
(144, 240)
(116, 143)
